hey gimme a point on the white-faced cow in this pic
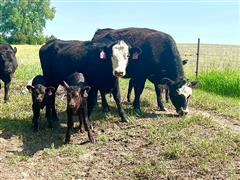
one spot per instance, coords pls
(159, 58)
(101, 64)
(8, 65)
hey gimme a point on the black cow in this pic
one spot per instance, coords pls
(8, 65)
(77, 93)
(100, 63)
(159, 89)
(41, 97)
(159, 58)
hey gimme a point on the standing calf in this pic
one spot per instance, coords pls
(77, 93)
(41, 97)
(8, 65)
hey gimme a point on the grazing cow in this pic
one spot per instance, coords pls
(77, 93)
(41, 97)
(8, 65)
(159, 89)
(159, 58)
(100, 63)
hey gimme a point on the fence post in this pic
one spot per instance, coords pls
(198, 48)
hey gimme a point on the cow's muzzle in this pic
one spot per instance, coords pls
(182, 112)
(118, 73)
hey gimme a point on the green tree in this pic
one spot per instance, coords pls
(23, 21)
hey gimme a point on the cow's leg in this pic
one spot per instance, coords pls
(69, 126)
(53, 101)
(117, 98)
(130, 86)
(138, 89)
(159, 98)
(36, 116)
(104, 102)
(92, 100)
(81, 121)
(167, 94)
(87, 124)
(49, 115)
(6, 90)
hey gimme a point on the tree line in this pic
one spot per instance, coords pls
(23, 21)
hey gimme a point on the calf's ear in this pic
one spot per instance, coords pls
(85, 91)
(50, 90)
(30, 88)
(65, 85)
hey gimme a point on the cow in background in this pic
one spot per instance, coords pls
(8, 65)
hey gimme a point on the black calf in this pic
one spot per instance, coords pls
(77, 93)
(41, 97)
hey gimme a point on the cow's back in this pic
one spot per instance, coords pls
(159, 56)
(60, 58)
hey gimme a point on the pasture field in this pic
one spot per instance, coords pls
(158, 145)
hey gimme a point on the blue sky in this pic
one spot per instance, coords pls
(215, 22)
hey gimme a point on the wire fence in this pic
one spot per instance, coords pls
(211, 57)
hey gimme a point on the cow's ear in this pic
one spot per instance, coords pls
(65, 85)
(185, 61)
(192, 84)
(85, 91)
(168, 81)
(50, 90)
(135, 52)
(30, 88)
(15, 50)
(102, 54)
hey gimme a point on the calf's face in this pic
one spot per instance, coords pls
(39, 92)
(76, 96)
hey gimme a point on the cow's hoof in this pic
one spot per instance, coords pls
(91, 139)
(55, 119)
(106, 109)
(67, 141)
(138, 112)
(162, 109)
(124, 119)
(35, 130)
(6, 100)
(50, 126)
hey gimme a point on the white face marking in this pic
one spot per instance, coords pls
(120, 58)
(185, 90)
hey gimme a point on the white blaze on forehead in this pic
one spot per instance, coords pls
(120, 53)
(185, 90)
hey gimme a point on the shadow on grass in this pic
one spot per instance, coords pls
(33, 142)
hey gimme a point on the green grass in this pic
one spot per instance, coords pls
(223, 82)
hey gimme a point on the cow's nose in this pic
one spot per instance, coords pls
(182, 112)
(118, 73)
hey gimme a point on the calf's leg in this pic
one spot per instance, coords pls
(69, 126)
(87, 124)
